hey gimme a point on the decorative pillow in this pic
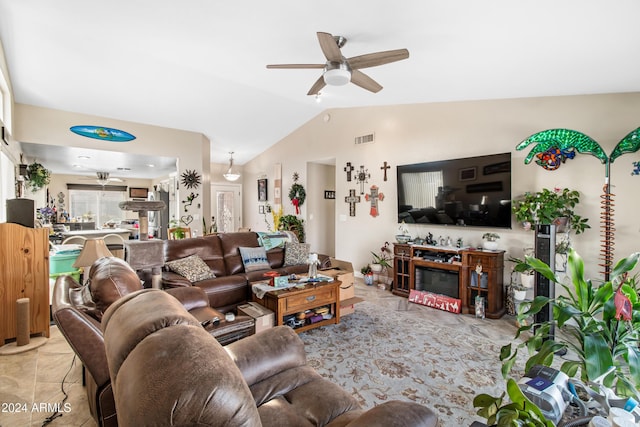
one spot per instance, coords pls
(296, 254)
(191, 267)
(254, 259)
(272, 240)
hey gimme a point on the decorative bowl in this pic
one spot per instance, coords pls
(403, 238)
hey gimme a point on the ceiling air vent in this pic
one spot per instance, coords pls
(365, 139)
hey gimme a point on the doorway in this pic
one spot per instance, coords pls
(321, 210)
(226, 207)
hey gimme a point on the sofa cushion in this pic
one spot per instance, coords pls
(208, 248)
(254, 259)
(296, 253)
(191, 267)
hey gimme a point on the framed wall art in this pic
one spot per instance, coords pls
(262, 190)
(138, 193)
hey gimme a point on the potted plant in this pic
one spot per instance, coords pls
(550, 207)
(292, 223)
(600, 325)
(38, 176)
(367, 273)
(490, 241)
(381, 261)
(527, 277)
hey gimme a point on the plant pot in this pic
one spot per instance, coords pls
(376, 268)
(491, 245)
(527, 280)
(519, 294)
(368, 279)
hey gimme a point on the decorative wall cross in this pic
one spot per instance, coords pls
(362, 177)
(384, 168)
(374, 196)
(348, 168)
(352, 199)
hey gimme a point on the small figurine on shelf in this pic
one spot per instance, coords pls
(313, 265)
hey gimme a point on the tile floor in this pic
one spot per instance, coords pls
(32, 380)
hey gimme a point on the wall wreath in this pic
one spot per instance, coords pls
(297, 193)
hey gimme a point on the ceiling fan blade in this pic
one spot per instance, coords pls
(329, 47)
(378, 58)
(319, 84)
(359, 78)
(296, 66)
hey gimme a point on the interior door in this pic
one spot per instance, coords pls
(226, 206)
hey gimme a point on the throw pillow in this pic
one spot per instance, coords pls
(296, 253)
(191, 267)
(254, 258)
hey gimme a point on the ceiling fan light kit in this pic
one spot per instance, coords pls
(231, 175)
(337, 74)
(338, 70)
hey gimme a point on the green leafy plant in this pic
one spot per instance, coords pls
(520, 265)
(546, 207)
(384, 257)
(37, 176)
(293, 223)
(520, 411)
(491, 237)
(588, 322)
(366, 270)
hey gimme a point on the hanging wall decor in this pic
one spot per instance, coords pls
(297, 193)
(567, 141)
(373, 197)
(190, 198)
(362, 178)
(348, 169)
(384, 167)
(352, 199)
(103, 133)
(190, 179)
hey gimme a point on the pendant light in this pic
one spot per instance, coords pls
(231, 175)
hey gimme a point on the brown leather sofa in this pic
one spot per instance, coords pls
(166, 370)
(78, 310)
(221, 253)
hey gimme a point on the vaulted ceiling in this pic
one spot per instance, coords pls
(200, 65)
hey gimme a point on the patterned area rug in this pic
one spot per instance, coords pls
(382, 355)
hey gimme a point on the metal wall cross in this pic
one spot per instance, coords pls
(362, 177)
(384, 168)
(348, 168)
(352, 199)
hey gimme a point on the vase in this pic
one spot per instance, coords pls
(519, 295)
(368, 279)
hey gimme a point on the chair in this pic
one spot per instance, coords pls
(74, 240)
(176, 233)
(115, 243)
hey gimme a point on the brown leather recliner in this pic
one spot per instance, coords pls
(167, 370)
(77, 311)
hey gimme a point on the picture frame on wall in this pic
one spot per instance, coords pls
(262, 190)
(138, 193)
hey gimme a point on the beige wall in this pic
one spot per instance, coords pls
(47, 126)
(415, 133)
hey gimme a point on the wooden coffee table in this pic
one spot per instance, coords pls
(284, 302)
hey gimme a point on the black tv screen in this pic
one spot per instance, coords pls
(473, 191)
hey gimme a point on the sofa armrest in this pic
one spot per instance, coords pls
(396, 413)
(191, 297)
(171, 279)
(267, 353)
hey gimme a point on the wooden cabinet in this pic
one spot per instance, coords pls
(401, 270)
(24, 273)
(469, 273)
(482, 275)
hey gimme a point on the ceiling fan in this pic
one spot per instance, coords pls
(103, 178)
(339, 70)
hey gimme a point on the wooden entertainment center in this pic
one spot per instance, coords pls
(413, 264)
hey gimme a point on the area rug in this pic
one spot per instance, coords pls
(380, 355)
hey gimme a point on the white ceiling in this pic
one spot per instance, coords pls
(200, 65)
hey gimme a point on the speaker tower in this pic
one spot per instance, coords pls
(545, 251)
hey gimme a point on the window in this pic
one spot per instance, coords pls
(96, 205)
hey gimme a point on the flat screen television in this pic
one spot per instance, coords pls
(472, 191)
